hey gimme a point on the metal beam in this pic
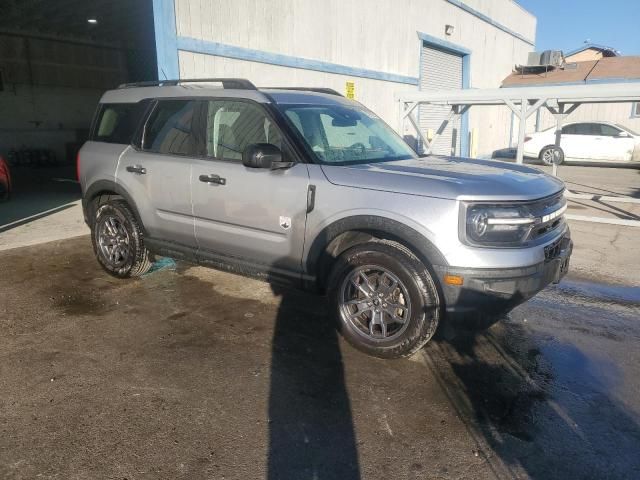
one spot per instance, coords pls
(598, 93)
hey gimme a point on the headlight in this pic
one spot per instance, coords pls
(496, 225)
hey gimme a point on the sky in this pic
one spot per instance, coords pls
(566, 24)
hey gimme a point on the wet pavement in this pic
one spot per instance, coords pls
(193, 373)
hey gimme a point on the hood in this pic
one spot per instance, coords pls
(448, 177)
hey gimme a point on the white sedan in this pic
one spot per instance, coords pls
(585, 142)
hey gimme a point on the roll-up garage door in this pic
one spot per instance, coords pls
(440, 71)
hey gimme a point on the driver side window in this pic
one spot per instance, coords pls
(233, 125)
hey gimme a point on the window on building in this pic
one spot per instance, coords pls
(232, 126)
(635, 110)
(170, 128)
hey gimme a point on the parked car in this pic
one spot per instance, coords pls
(585, 142)
(308, 188)
(5, 180)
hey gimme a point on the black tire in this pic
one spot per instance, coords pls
(423, 311)
(132, 258)
(547, 152)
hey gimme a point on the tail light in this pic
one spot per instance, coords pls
(78, 166)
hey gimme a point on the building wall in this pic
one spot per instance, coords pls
(50, 89)
(587, 55)
(373, 43)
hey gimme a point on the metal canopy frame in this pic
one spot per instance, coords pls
(523, 101)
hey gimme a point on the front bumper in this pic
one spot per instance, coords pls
(497, 291)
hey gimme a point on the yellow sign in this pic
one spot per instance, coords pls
(351, 90)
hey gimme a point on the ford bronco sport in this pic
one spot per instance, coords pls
(306, 187)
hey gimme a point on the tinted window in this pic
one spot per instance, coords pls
(117, 122)
(608, 130)
(171, 128)
(582, 129)
(232, 126)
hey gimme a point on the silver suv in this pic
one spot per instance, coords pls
(305, 187)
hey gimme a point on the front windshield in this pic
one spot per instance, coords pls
(627, 129)
(344, 135)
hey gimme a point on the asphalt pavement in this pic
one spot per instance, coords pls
(192, 373)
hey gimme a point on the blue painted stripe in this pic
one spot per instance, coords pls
(490, 21)
(164, 23)
(206, 47)
(443, 44)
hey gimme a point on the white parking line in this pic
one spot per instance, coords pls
(610, 221)
(589, 196)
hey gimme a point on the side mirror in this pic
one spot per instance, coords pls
(623, 134)
(261, 155)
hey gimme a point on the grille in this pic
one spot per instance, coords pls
(552, 250)
(544, 207)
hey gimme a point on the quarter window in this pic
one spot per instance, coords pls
(635, 110)
(232, 126)
(171, 128)
(117, 122)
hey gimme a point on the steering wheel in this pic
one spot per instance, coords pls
(358, 146)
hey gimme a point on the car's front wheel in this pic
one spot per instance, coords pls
(551, 154)
(386, 300)
(118, 240)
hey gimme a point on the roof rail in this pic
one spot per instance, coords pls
(328, 91)
(232, 83)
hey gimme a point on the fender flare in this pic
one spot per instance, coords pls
(415, 241)
(107, 186)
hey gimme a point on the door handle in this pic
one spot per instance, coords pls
(215, 179)
(140, 170)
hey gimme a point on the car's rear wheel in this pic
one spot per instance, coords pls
(551, 154)
(385, 299)
(118, 240)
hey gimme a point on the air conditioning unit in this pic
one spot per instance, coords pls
(548, 58)
(534, 59)
(552, 57)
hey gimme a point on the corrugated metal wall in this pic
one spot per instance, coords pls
(363, 34)
(440, 71)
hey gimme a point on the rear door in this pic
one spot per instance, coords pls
(252, 216)
(157, 173)
(577, 140)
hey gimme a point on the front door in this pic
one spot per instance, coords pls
(614, 146)
(247, 215)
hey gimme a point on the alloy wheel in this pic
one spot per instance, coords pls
(375, 303)
(113, 241)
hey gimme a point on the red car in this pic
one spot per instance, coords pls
(5, 180)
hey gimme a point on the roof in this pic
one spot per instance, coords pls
(606, 51)
(608, 69)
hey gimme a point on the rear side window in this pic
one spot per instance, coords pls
(171, 128)
(117, 122)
